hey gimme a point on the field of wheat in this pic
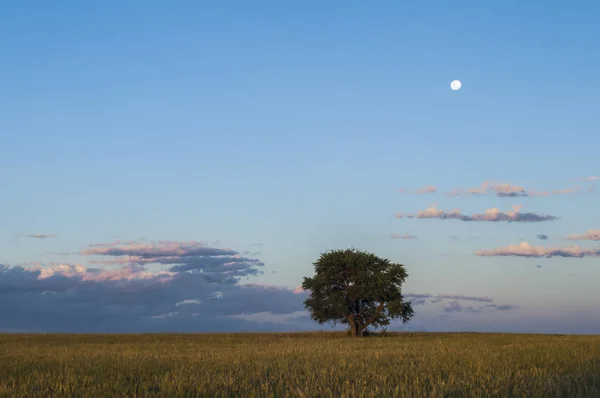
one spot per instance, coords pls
(299, 365)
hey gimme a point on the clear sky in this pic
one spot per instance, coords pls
(268, 132)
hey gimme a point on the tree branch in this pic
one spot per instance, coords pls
(370, 320)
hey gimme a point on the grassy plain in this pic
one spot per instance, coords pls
(299, 365)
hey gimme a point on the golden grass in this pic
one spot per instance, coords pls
(299, 365)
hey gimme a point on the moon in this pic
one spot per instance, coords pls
(455, 85)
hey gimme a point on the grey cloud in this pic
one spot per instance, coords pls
(543, 236)
(504, 307)
(461, 297)
(216, 265)
(454, 306)
(453, 302)
(200, 293)
(417, 295)
(132, 298)
(140, 294)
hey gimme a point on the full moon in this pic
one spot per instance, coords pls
(455, 85)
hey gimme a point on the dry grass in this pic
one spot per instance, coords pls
(299, 365)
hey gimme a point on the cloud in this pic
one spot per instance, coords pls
(556, 192)
(157, 286)
(461, 297)
(592, 178)
(427, 189)
(454, 306)
(421, 191)
(592, 234)
(405, 236)
(504, 307)
(298, 290)
(453, 302)
(222, 264)
(133, 298)
(40, 236)
(543, 236)
(504, 190)
(524, 249)
(493, 214)
(417, 295)
(115, 243)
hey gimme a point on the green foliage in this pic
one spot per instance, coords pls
(299, 365)
(356, 288)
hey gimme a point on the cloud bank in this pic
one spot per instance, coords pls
(160, 286)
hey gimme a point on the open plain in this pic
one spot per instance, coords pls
(320, 364)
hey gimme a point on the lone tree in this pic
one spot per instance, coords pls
(358, 289)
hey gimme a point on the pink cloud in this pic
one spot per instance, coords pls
(508, 190)
(99, 275)
(298, 290)
(524, 249)
(493, 214)
(592, 178)
(455, 192)
(147, 250)
(556, 192)
(592, 234)
(427, 189)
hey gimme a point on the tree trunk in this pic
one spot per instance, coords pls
(364, 325)
(354, 328)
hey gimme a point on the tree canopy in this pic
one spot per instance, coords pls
(356, 288)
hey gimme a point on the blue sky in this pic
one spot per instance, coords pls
(282, 130)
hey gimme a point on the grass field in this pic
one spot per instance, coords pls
(300, 365)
